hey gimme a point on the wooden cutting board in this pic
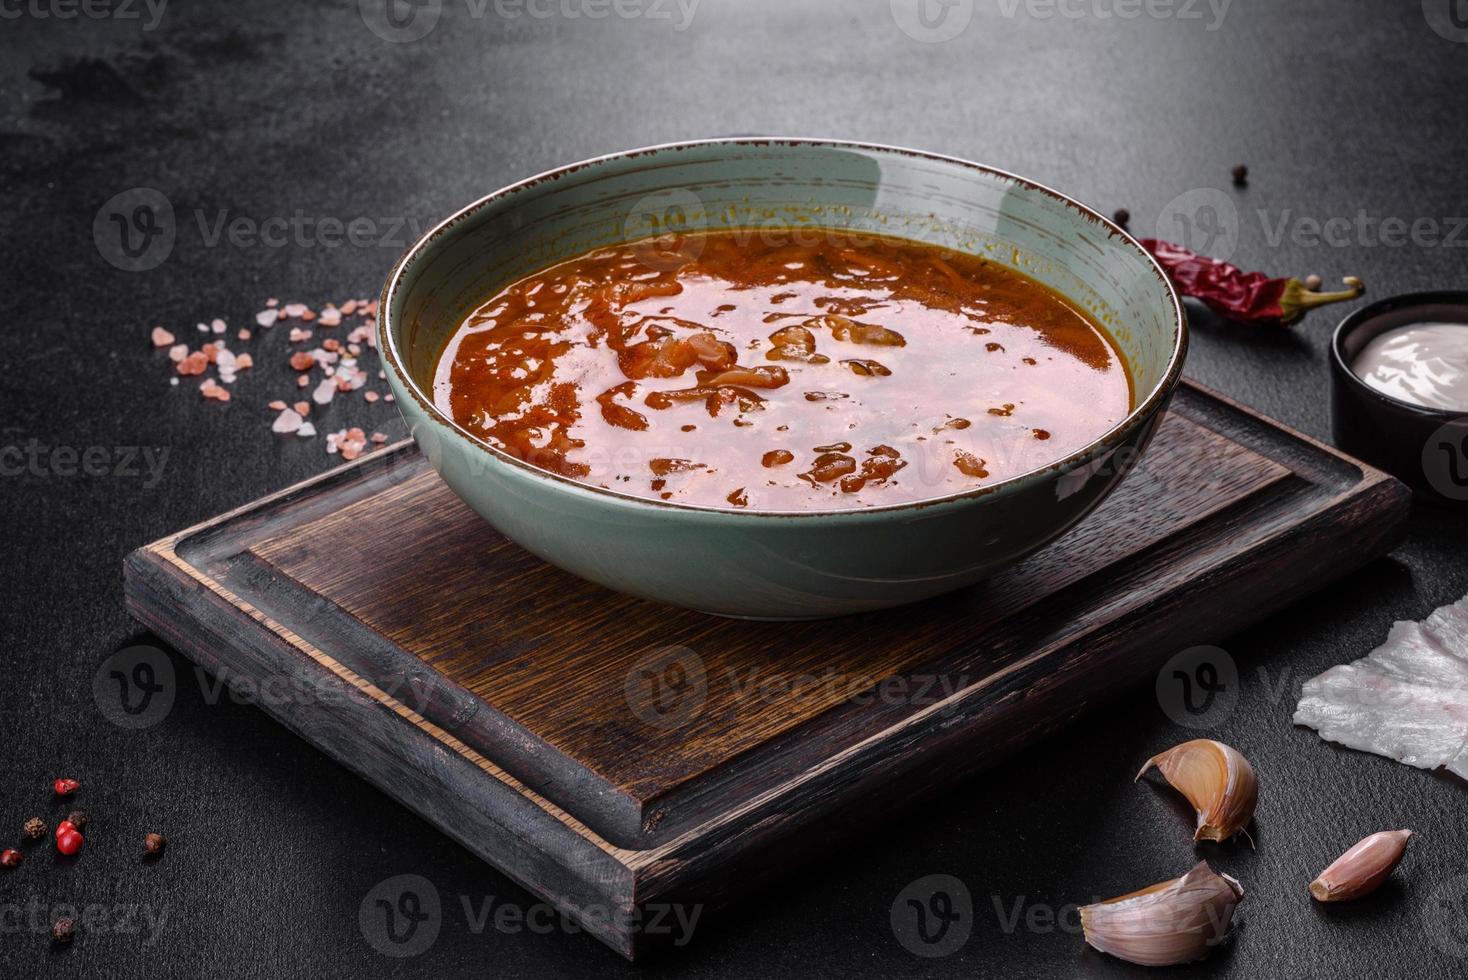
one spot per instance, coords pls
(616, 756)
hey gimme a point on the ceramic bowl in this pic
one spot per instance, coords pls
(1426, 448)
(769, 565)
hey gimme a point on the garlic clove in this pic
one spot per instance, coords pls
(1216, 779)
(1362, 869)
(1175, 921)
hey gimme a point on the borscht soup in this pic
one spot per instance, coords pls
(782, 370)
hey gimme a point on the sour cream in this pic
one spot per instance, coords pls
(1422, 363)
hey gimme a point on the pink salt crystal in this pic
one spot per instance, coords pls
(288, 421)
(218, 325)
(371, 396)
(203, 328)
(296, 309)
(379, 438)
(161, 337)
(389, 397)
(309, 315)
(178, 352)
(331, 317)
(243, 334)
(267, 318)
(277, 405)
(349, 307)
(272, 302)
(354, 349)
(306, 430)
(303, 380)
(324, 392)
(243, 362)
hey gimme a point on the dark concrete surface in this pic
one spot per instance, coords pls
(267, 109)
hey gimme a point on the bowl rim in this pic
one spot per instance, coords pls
(1343, 372)
(1144, 409)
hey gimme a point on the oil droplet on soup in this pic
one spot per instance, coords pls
(789, 370)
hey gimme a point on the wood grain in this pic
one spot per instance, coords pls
(379, 579)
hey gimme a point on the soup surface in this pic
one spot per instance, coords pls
(790, 370)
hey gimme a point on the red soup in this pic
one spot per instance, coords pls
(782, 371)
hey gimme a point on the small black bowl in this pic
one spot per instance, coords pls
(1426, 448)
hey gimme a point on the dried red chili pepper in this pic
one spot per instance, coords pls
(1245, 297)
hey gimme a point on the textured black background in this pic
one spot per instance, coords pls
(259, 109)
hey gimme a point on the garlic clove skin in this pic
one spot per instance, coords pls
(1216, 779)
(1362, 869)
(1175, 921)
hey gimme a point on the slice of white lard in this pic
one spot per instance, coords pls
(1407, 700)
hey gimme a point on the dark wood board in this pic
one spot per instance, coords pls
(512, 705)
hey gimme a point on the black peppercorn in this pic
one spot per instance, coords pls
(78, 819)
(63, 930)
(153, 844)
(1122, 216)
(1241, 174)
(35, 828)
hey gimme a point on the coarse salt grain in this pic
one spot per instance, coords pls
(330, 317)
(303, 380)
(178, 352)
(243, 334)
(296, 309)
(302, 361)
(218, 325)
(272, 302)
(371, 396)
(303, 407)
(203, 328)
(349, 307)
(306, 429)
(379, 438)
(277, 405)
(286, 422)
(324, 392)
(243, 362)
(161, 337)
(267, 318)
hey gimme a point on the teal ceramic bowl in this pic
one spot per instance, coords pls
(768, 565)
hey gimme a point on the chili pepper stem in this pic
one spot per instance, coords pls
(1298, 300)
